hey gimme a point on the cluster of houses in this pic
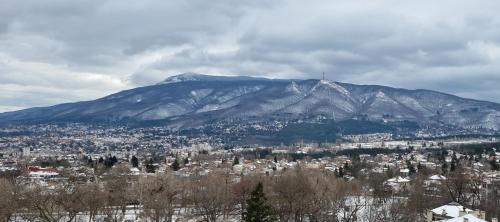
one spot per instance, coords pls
(201, 156)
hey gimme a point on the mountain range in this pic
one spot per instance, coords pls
(191, 100)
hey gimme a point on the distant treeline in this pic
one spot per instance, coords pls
(263, 153)
(16, 133)
(324, 132)
(478, 148)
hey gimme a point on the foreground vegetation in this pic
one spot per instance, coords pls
(291, 195)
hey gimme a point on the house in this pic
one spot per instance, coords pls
(404, 172)
(465, 218)
(454, 212)
(42, 173)
(398, 183)
(434, 180)
(432, 184)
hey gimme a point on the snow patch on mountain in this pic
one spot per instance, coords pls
(335, 86)
(163, 111)
(200, 94)
(293, 88)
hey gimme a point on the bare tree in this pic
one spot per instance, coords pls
(381, 192)
(8, 199)
(394, 212)
(290, 193)
(115, 190)
(320, 203)
(349, 201)
(211, 197)
(457, 185)
(491, 202)
(159, 197)
(475, 189)
(71, 199)
(94, 200)
(44, 203)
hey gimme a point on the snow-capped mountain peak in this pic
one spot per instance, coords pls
(188, 76)
(191, 76)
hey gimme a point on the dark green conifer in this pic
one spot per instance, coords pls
(258, 209)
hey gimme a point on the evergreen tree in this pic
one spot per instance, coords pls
(341, 172)
(90, 162)
(150, 168)
(175, 165)
(134, 161)
(494, 165)
(258, 209)
(186, 161)
(356, 158)
(275, 159)
(346, 168)
(411, 168)
(110, 161)
(236, 160)
(444, 168)
(453, 165)
(389, 172)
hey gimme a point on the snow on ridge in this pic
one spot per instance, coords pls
(293, 87)
(336, 87)
(189, 76)
(381, 96)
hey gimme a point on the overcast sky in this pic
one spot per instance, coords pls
(55, 51)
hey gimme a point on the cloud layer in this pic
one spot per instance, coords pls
(61, 51)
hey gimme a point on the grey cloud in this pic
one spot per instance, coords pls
(97, 47)
(104, 31)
